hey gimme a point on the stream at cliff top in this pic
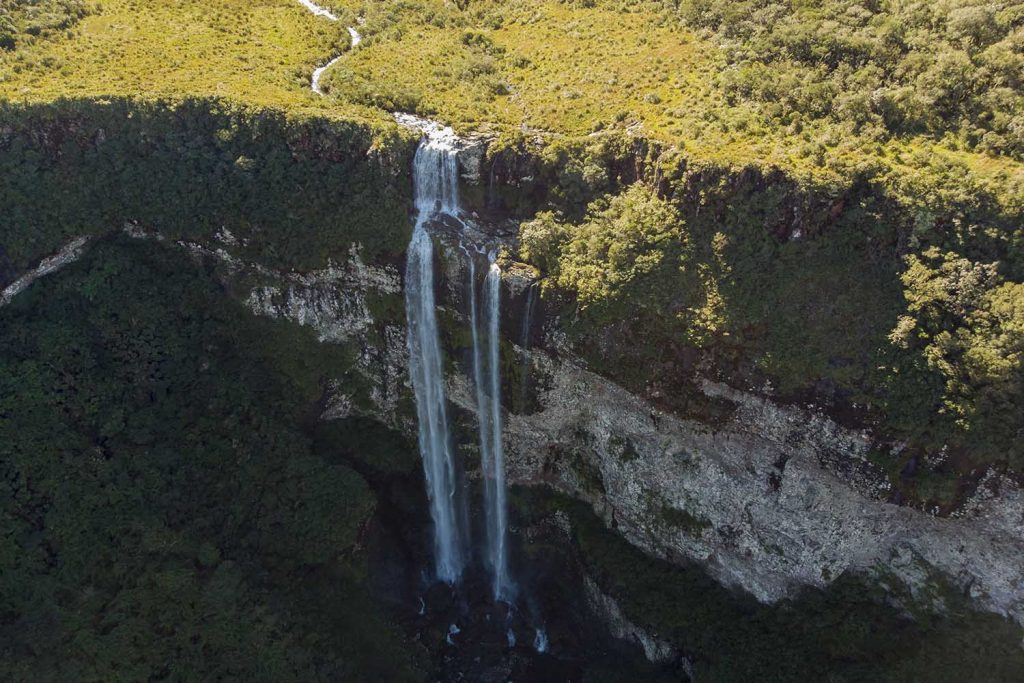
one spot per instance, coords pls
(355, 39)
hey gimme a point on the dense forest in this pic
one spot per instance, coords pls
(165, 510)
(886, 67)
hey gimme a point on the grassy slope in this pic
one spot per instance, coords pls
(258, 52)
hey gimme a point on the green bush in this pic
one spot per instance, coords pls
(159, 494)
(912, 67)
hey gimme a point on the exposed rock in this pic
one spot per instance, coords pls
(775, 499)
(471, 158)
(334, 301)
(69, 253)
(339, 403)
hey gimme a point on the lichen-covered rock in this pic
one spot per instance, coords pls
(775, 499)
(332, 301)
(335, 302)
(69, 253)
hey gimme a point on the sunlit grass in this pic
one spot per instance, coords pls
(259, 52)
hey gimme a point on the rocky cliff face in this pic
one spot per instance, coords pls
(775, 498)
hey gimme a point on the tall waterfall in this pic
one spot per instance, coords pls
(525, 343)
(487, 379)
(494, 467)
(435, 177)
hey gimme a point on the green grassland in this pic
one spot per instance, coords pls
(677, 72)
(258, 52)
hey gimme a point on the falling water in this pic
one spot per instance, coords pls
(540, 641)
(435, 176)
(487, 380)
(494, 468)
(524, 343)
(436, 191)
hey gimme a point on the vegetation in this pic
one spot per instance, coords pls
(818, 289)
(880, 68)
(193, 168)
(24, 21)
(821, 199)
(259, 53)
(164, 512)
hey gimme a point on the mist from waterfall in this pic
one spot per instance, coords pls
(435, 189)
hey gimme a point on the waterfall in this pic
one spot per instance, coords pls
(435, 180)
(493, 464)
(435, 189)
(540, 641)
(487, 381)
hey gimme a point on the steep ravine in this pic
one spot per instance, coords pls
(776, 498)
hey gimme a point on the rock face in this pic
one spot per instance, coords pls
(69, 253)
(775, 499)
(335, 302)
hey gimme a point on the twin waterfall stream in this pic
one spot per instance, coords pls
(436, 194)
(435, 183)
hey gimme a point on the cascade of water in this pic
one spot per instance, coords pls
(435, 180)
(436, 191)
(540, 641)
(494, 470)
(487, 381)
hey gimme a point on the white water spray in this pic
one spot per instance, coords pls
(487, 381)
(540, 641)
(525, 343)
(435, 175)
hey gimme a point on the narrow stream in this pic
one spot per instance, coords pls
(356, 38)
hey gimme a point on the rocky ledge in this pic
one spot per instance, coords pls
(775, 499)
